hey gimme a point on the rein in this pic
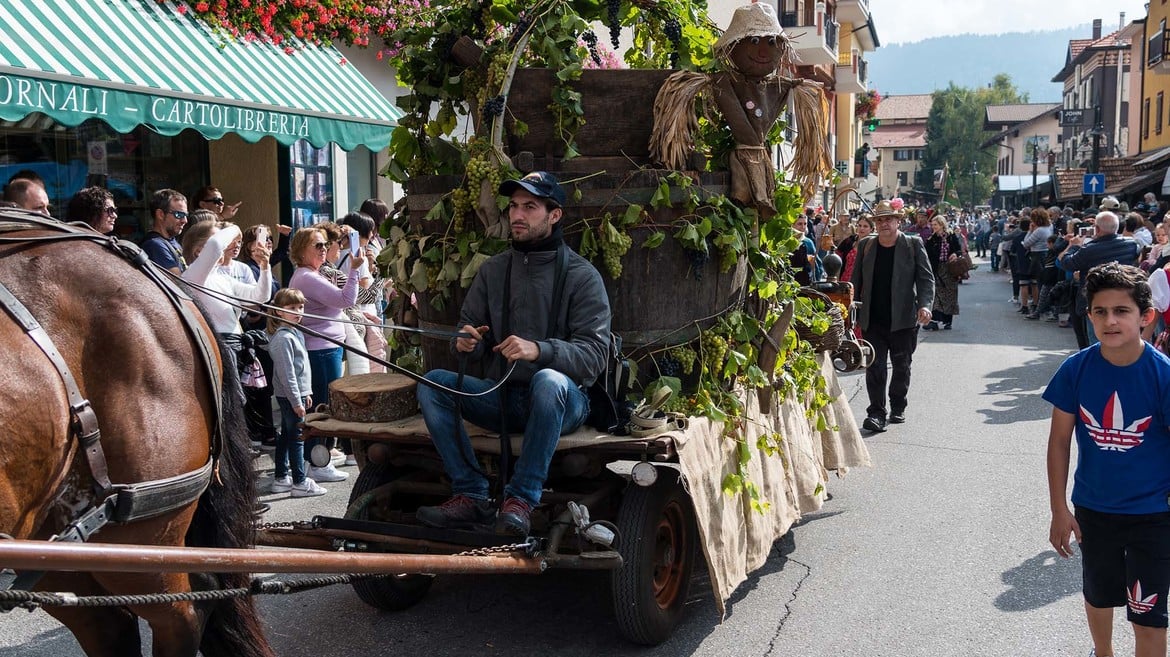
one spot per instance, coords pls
(269, 310)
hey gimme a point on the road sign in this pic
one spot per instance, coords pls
(1094, 184)
(1072, 117)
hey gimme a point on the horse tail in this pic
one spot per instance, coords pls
(224, 518)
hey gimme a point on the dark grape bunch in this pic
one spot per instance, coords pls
(521, 27)
(493, 107)
(669, 366)
(615, 26)
(673, 30)
(698, 261)
(590, 40)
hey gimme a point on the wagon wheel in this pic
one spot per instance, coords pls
(657, 537)
(393, 593)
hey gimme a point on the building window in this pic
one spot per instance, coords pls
(908, 154)
(903, 178)
(1146, 119)
(1158, 114)
(919, 153)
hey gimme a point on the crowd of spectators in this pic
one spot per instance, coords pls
(331, 284)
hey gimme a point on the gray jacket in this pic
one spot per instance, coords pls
(582, 347)
(912, 286)
(291, 378)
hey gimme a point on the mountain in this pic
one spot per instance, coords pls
(973, 60)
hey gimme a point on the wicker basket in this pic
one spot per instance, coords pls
(831, 339)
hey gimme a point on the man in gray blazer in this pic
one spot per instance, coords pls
(895, 284)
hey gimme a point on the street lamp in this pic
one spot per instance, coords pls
(974, 172)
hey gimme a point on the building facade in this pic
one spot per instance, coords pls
(165, 102)
(899, 140)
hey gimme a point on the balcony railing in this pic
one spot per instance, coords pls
(862, 70)
(1159, 52)
(831, 29)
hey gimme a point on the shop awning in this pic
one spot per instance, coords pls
(1020, 183)
(136, 62)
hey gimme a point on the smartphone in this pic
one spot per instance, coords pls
(355, 245)
(1088, 231)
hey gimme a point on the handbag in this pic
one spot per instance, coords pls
(959, 267)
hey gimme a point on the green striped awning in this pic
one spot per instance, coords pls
(136, 62)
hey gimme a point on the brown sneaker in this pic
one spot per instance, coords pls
(459, 512)
(514, 517)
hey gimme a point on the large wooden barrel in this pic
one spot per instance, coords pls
(618, 106)
(657, 300)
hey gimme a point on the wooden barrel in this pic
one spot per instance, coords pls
(618, 106)
(376, 397)
(656, 301)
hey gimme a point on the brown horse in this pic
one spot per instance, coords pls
(137, 362)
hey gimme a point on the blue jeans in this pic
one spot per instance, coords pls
(325, 366)
(290, 451)
(994, 259)
(550, 406)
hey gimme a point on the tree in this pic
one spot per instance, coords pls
(955, 137)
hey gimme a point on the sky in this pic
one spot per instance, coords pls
(906, 21)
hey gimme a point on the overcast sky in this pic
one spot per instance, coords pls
(905, 21)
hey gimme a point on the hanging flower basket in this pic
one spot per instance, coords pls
(867, 104)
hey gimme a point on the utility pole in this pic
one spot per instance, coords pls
(1035, 164)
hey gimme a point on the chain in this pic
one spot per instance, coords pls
(283, 525)
(529, 546)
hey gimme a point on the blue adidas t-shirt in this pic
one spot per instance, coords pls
(1123, 442)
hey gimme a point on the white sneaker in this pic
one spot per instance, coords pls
(282, 485)
(327, 473)
(307, 488)
(350, 460)
(336, 456)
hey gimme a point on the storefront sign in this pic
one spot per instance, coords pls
(72, 104)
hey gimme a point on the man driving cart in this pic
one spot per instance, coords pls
(543, 308)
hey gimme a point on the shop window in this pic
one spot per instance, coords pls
(311, 183)
(131, 166)
(360, 176)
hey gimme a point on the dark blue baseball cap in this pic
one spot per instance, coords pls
(540, 184)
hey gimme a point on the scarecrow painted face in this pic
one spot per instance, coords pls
(757, 56)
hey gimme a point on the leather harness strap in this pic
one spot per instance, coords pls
(82, 418)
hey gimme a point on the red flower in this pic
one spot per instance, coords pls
(202, 7)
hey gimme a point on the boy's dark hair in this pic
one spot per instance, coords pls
(1112, 276)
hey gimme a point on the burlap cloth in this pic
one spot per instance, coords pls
(736, 539)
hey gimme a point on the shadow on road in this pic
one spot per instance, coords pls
(1022, 385)
(1039, 581)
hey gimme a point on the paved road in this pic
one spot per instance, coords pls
(939, 549)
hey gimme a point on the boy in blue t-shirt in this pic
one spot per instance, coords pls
(1115, 395)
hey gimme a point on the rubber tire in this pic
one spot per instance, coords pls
(648, 602)
(389, 593)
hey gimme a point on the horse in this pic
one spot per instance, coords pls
(158, 405)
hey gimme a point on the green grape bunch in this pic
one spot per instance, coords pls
(686, 357)
(714, 349)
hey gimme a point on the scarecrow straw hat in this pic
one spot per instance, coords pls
(755, 20)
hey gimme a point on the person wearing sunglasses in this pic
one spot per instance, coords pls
(325, 306)
(93, 206)
(168, 212)
(210, 198)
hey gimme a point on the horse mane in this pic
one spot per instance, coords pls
(224, 518)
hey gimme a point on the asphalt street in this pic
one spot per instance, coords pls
(940, 548)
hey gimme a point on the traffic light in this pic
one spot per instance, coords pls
(872, 125)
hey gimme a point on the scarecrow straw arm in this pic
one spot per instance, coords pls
(813, 161)
(675, 120)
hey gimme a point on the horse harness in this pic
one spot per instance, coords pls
(114, 503)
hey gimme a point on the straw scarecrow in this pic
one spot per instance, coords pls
(749, 94)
